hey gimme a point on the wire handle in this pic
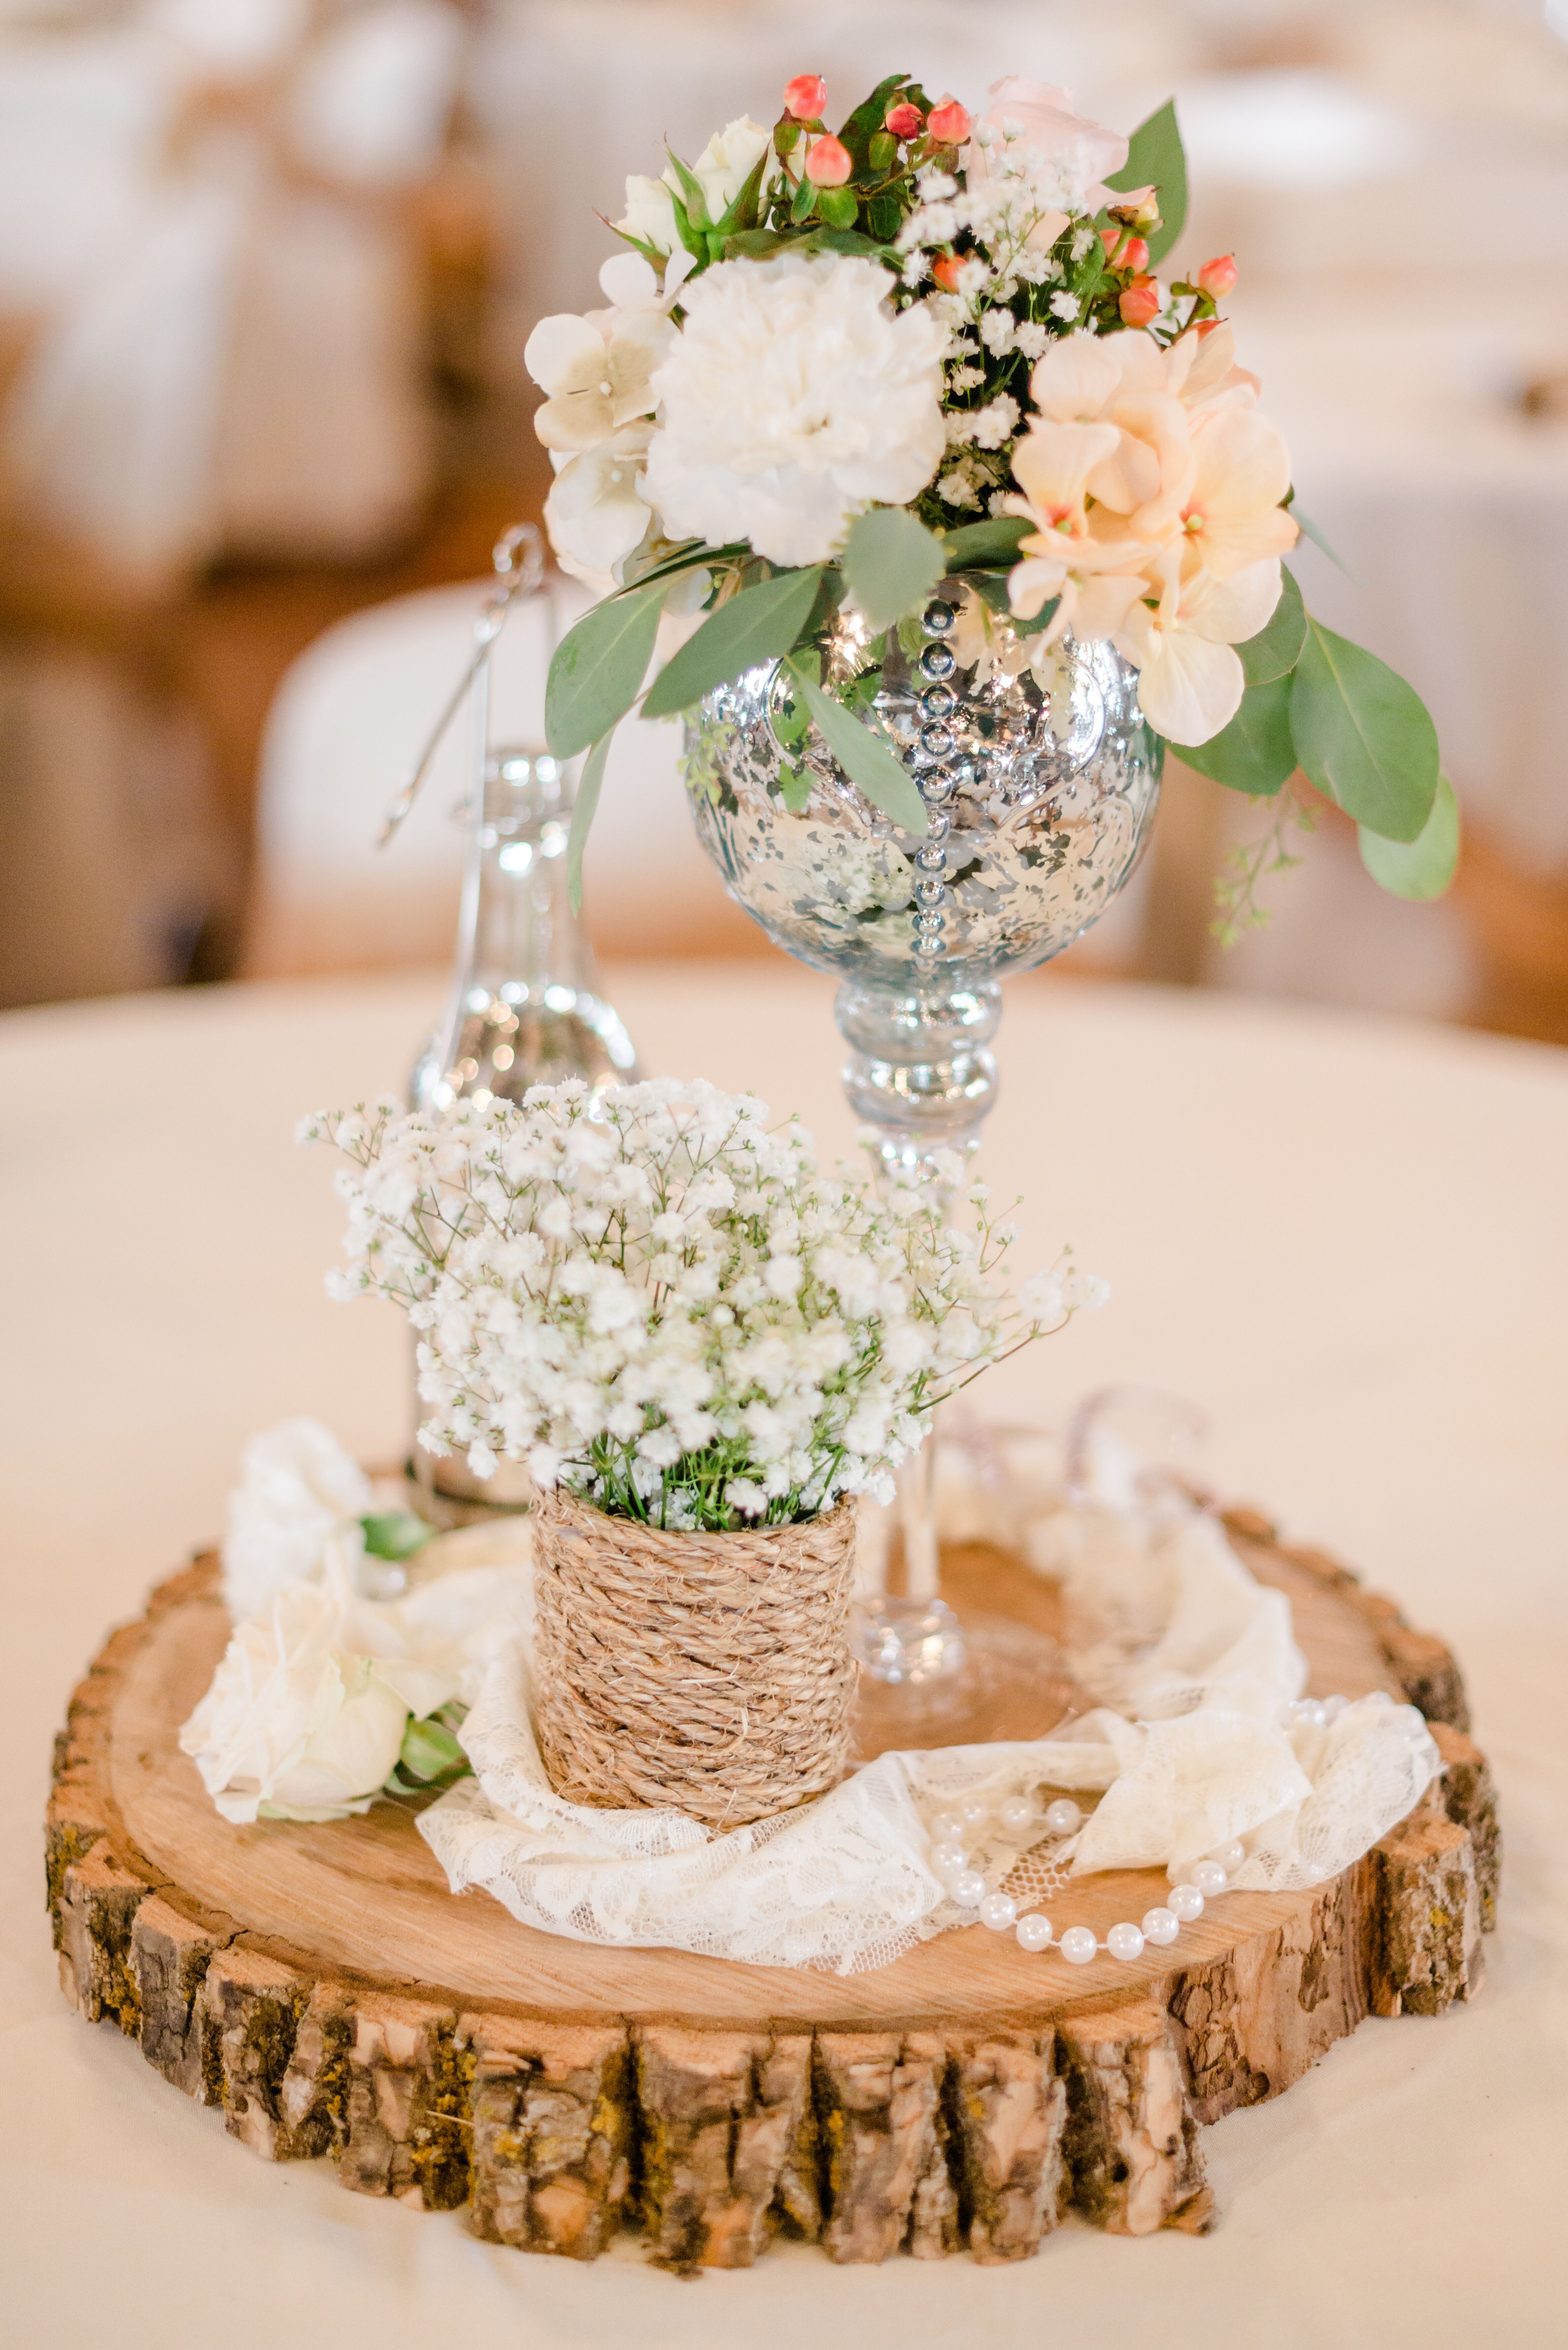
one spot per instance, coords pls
(513, 579)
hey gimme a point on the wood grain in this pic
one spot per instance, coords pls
(321, 1986)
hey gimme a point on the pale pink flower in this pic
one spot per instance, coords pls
(1041, 116)
(1191, 679)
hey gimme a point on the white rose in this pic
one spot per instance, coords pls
(726, 163)
(297, 1486)
(650, 215)
(792, 400)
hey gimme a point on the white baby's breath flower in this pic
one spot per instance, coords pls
(795, 1356)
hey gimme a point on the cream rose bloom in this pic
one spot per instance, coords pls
(721, 171)
(297, 1488)
(306, 1714)
(792, 400)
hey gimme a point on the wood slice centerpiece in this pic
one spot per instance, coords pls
(322, 1988)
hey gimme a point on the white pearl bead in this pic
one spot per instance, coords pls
(998, 1911)
(1186, 1903)
(1230, 1856)
(1018, 1814)
(947, 1827)
(1062, 1818)
(1160, 1927)
(1209, 1877)
(1125, 1943)
(1332, 1707)
(1078, 1946)
(1034, 1931)
(973, 1814)
(947, 1857)
(968, 1888)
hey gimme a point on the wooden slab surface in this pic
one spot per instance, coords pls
(288, 1972)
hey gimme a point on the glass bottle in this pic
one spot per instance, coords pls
(526, 1008)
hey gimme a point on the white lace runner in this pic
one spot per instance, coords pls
(1197, 1741)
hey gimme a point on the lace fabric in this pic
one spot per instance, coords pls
(1198, 1739)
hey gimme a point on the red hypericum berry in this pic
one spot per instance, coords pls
(904, 119)
(949, 123)
(1141, 302)
(805, 97)
(945, 271)
(1216, 277)
(1134, 255)
(827, 162)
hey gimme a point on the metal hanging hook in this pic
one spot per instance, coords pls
(513, 579)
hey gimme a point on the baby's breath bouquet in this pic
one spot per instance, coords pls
(657, 1301)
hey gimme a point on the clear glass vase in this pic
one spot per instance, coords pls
(1041, 779)
(525, 1007)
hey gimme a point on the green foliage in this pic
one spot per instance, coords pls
(1309, 529)
(865, 754)
(598, 667)
(690, 557)
(892, 563)
(977, 545)
(1363, 735)
(583, 812)
(1422, 867)
(761, 624)
(430, 1756)
(1274, 651)
(1156, 157)
(1255, 754)
(395, 1533)
(1237, 910)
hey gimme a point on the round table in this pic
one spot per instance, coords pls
(1342, 1239)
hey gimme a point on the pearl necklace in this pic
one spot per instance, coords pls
(1077, 1944)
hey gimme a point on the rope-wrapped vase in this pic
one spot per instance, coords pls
(709, 1672)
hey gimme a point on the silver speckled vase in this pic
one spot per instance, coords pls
(1041, 779)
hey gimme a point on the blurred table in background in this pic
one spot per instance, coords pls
(1395, 182)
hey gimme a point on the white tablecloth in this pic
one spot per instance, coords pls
(1343, 1239)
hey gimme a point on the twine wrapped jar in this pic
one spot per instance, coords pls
(708, 1672)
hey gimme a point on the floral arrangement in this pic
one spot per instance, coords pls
(838, 367)
(657, 1300)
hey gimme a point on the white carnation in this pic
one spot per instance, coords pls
(792, 400)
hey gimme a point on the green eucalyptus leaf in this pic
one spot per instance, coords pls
(1274, 651)
(1309, 529)
(430, 1750)
(892, 563)
(980, 545)
(690, 557)
(1422, 867)
(395, 1533)
(1364, 737)
(588, 787)
(761, 624)
(1156, 157)
(866, 755)
(598, 667)
(1255, 754)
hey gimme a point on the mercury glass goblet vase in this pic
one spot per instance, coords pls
(1041, 778)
